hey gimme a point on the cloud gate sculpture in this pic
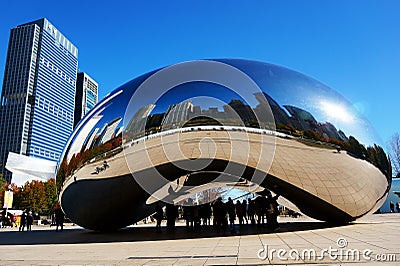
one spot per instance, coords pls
(189, 128)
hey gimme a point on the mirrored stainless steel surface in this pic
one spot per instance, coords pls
(194, 126)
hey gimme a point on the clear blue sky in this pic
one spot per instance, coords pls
(352, 46)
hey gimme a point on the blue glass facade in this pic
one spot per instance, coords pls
(91, 100)
(52, 121)
(44, 113)
(86, 95)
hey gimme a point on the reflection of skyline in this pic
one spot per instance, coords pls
(236, 112)
(82, 136)
(205, 103)
(289, 119)
(283, 85)
(108, 131)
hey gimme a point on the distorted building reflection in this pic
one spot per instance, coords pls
(199, 136)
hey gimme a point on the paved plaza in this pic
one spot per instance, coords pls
(301, 241)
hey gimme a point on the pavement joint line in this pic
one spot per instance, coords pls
(365, 242)
(181, 257)
(216, 245)
(262, 246)
(307, 240)
(327, 239)
(238, 249)
(287, 244)
(283, 241)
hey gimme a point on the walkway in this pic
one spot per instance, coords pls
(141, 245)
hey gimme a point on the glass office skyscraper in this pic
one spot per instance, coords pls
(86, 95)
(37, 99)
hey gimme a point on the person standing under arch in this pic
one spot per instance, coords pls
(159, 216)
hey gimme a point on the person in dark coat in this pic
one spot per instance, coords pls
(272, 212)
(244, 208)
(59, 218)
(29, 221)
(206, 213)
(219, 215)
(172, 213)
(260, 210)
(188, 214)
(239, 211)
(22, 222)
(230, 206)
(251, 211)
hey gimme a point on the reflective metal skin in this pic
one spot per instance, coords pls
(194, 126)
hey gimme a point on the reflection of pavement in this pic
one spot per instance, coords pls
(350, 184)
(353, 185)
(141, 245)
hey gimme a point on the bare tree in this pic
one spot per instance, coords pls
(394, 150)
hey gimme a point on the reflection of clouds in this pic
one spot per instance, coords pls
(349, 120)
(362, 107)
(337, 111)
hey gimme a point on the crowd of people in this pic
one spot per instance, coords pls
(24, 221)
(7, 219)
(261, 211)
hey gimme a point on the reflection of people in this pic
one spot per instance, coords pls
(59, 218)
(105, 165)
(391, 204)
(98, 169)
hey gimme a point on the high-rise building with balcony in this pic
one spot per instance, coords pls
(38, 94)
(86, 95)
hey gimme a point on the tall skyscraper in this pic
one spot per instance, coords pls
(37, 99)
(86, 95)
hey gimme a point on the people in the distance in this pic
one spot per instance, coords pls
(59, 218)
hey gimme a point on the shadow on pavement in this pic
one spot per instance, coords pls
(138, 233)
